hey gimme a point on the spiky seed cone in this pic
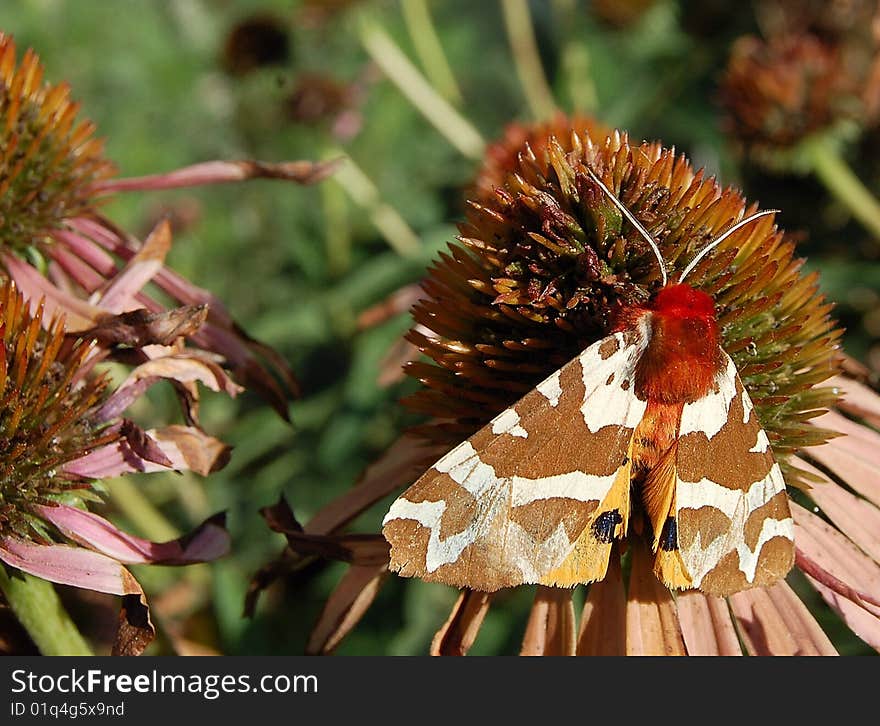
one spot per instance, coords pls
(542, 266)
(48, 160)
(500, 158)
(45, 401)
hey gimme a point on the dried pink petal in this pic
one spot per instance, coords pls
(706, 624)
(463, 624)
(603, 621)
(209, 541)
(652, 626)
(551, 626)
(774, 621)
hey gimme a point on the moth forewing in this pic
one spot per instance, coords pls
(539, 493)
(734, 526)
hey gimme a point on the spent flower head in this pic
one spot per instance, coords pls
(53, 182)
(62, 430)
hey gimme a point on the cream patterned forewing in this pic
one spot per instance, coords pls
(516, 500)
(734, 526)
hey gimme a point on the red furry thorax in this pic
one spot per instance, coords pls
(684, 355)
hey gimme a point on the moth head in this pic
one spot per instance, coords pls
(683, 301)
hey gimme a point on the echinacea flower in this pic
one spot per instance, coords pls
(62, 429)
(536, 276)
(54, 179)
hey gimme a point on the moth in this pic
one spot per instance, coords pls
(649, 431)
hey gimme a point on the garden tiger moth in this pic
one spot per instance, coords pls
(649, 430)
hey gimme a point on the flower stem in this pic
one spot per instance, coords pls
(521, 34)
(429, 49)
(391, 225)
(827, 164)
(412, 84)
(37, 607)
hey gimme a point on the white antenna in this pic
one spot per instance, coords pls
(633, 221)
(718, 240)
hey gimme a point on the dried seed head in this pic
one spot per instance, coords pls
(777, 92)
(543, 265)
(48, 160)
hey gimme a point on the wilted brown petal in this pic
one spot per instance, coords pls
(189, 448)
(461, 628)
(358, 549)
(220, 172)
(345, 607)
(774, 621)
(551, 628)
(837, 555)
(135, 630)
(138, 328)
(706, 624)
(652, 626)
(603, 621)
(397, 468)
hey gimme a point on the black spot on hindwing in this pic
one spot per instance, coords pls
(605, 524)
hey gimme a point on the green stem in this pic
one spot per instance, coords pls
(148, 520)
(421, 94)
(429, 49)
(37, 607)
(844, 185)
(521, 34)
(363, 192)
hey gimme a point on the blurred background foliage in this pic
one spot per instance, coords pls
(175, 83)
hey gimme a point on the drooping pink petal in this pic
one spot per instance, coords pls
(463, 624)
(774, 621)
(706, 624)
(69, 566)
(79, 315)
(858, 399)
(120, 294)
(652, 626)
(220, 172)
(209, 541)
(852, 457)
(184, 368)
(551, 628)
(834, 553)
(603, 621)
(857, 518)
(345, 607)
